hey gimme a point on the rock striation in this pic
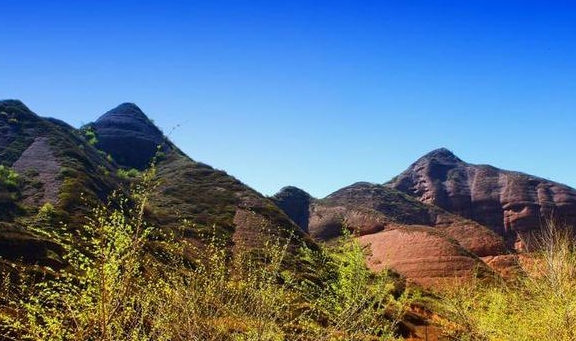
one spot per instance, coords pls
(422, 255)
(39, 159)
(512, 204)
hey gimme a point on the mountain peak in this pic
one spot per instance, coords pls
(15, 109)
(441, 154)
(512, 204)
(125, 110)
(14, 103)
(127, 134)
(292, 191)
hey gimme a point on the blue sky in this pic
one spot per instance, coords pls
(317, 94)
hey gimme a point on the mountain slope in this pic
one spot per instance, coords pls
(512, 204)
(55, 168)
(207, 198)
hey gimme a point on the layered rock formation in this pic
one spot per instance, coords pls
(425, 243)
(512, 204)
(423, 255)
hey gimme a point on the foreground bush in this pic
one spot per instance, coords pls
(115, 288)
(539, 305)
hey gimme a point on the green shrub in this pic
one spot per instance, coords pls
(351, 301)
(9, 178)
(90, 136)
(47, 210)
(67, 172)
(10, 183)
(103, 295)
(128, 173)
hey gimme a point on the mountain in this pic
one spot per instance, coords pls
(129, 136)
(55, 253)
(440, 219)
(189, 191)
(425, 243)
(512, 204)
(64, 170)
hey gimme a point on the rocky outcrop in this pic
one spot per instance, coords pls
(39, 162)
(512, 204)
(129, 136)
(423, 255)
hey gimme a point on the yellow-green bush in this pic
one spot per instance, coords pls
(539, 305)
(115, 289)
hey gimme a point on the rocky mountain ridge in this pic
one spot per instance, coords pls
(512, 204)
(442, 219)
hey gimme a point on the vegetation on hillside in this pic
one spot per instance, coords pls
(9, 184)
(114, 288)
(539, 305)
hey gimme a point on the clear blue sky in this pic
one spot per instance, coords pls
(317, 94)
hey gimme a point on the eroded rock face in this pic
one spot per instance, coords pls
(422, 255)
(370, 208)
(128, 135)
(511, 203)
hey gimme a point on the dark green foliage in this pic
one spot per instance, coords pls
(81, 173)
(19, 244)
(13, 151)
(15, 119)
